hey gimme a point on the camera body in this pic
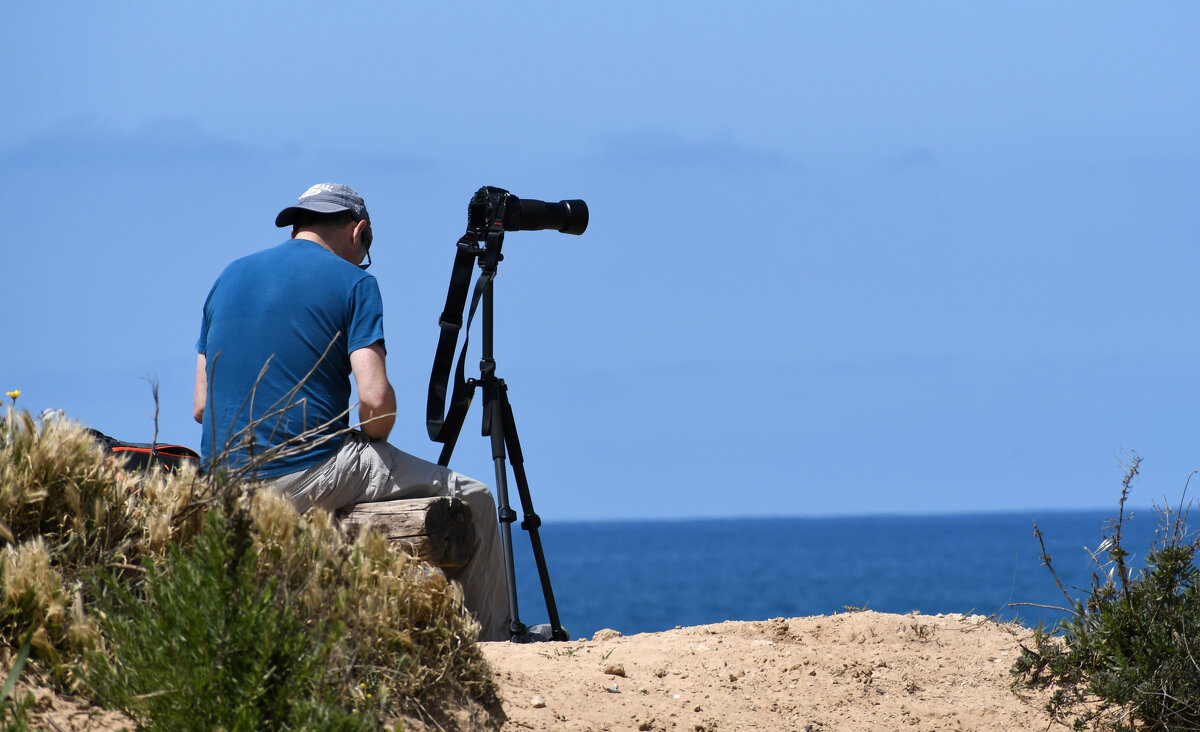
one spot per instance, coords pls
(495, 205)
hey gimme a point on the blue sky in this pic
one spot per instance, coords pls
(844, 258)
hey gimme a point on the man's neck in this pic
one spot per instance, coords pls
(313, 236)
(335, 240)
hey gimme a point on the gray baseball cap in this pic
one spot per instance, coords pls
(325, 198)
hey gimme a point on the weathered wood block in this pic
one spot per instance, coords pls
(439, 530)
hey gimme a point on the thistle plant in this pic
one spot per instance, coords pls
(1127, 654)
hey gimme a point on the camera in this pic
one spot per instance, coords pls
(491, 204)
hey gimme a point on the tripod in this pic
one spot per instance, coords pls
(498, 421)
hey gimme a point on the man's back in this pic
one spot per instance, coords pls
(277, 332)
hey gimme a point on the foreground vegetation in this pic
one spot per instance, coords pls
(188, 603)
(1128, 655)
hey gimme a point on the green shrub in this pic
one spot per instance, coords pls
(204, 645)
(1128, 656)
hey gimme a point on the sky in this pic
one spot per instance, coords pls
(844, 258)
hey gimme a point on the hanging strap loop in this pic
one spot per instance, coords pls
(444, 425)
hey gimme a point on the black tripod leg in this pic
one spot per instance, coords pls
(531, 521)
(493, 426)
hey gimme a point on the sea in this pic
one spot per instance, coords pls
(649, 576)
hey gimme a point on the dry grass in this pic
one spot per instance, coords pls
(68, 510)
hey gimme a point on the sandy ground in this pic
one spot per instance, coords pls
(62, 713)
(853, 671)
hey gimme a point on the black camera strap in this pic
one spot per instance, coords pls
(445, 425)
(485, 233)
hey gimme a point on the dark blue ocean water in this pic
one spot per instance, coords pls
(648, 576)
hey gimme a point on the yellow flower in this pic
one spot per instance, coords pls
(14, 394)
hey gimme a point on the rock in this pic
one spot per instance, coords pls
(615, 669)
(606, 634)
(538, 702)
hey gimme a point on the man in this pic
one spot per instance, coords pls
(283, 331)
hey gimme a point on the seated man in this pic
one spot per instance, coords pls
(283, 331)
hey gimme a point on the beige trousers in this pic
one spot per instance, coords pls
(365, 470)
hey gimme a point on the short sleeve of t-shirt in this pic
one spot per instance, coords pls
(366, 315)
(202, 342)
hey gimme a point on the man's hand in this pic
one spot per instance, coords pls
(376, 398)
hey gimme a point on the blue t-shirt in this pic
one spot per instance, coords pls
(287, 318)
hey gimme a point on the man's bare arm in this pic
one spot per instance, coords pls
(376, 398)
(200, 395)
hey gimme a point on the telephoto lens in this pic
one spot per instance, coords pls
(569, 217)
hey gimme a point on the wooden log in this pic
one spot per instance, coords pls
(439, 530)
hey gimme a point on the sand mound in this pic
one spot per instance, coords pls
(853, 671)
